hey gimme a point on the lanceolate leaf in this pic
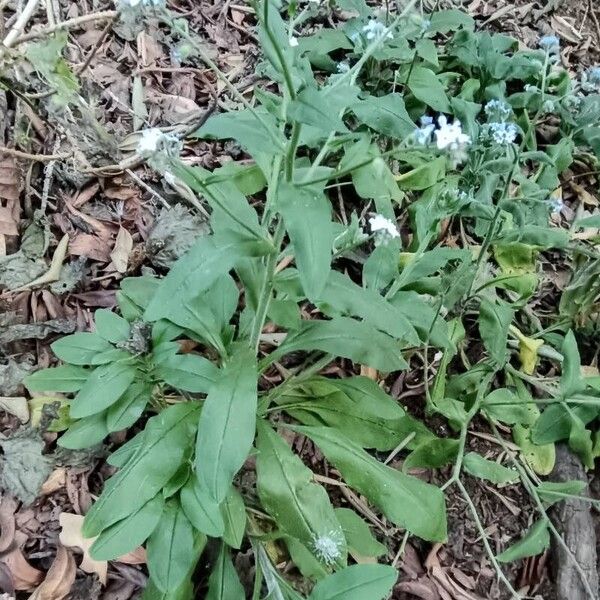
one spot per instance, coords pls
(385, 114)
(111, 326)
(344, 297)
(129, 407)
(426, 86)
(203, 511)
(227, 425)
(171, 551)
(300, 507)
(66, 378)
(535, 541)
(348, 338)
(165, 442)
(357, 582)
(103, 388)
(129, 533)
(224, 583)
(195, 272)
(307, 216)
(188, 372)
(80, 348)
(494, 321)
(406, 501)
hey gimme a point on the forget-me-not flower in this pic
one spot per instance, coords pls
(503, 133)
(376, 30)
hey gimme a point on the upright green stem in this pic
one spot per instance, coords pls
(264, 298)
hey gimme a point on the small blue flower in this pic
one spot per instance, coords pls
(590, 80)
(375, 30)
(425, 25)
(343, 67)
(503, 133)
(497, 110)
(550, 43)
(424, 133)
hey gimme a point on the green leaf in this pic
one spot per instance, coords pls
(223, 583)
(361, 541)
(129, 407)
(385, 114)
(287, 491)
(534, 542)
(476, 465)
(357, 407)
(540, 457)
(407, 501)
(555, 491)
(171, 549)
(102, 389)
(188, 372)
(341, 296)
(494, 321)
(184, 592)
(256, 136)
(85, 433)
(202, 510)
(432, 454)
(65, 378)
(140, 290)
(79, 348)
(571, 380)
(129, 533)
(208, 260)
(165, 441)
(111, 326)
(358, 582)
(306, 213)
(426, 87)
(227, 425)
(443, 21)
(427, 50)
(505, 406)
(424, 176)
(233, 510)
(321, 107)
(348, 338)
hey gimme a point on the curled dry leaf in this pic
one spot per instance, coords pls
(71, 535)
(55, 481)
(9, 196)
(15, 405)
(122, 250)
(59, 579)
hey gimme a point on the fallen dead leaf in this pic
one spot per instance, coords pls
(24, 576)
(55, 481)
(15, 405)
(369, 372)
(122, 249)
(70, 536)
(9, 196)
(59, 579)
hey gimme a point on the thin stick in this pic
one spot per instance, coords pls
(35, 157)
(69, 24)
(22, 20)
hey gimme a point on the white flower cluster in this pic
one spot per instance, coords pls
(498, 129)
(590, 80)
(159, 148)
(383, 229)
(328, 547)
(449, 137)
(375, 30)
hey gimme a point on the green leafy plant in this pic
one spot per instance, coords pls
(343, 120)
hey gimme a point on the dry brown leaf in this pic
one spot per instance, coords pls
(424, 589)
(584, 195)
(59, 579)
(55, 481)
(90, 246)
(9, 196)
(369, 372)
(70, 536)
(8, 506)
(24, 576)
(15, 405)
(122, 249)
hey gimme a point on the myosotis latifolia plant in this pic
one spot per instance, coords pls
(397, 114)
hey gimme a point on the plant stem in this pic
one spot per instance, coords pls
(264, 298)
